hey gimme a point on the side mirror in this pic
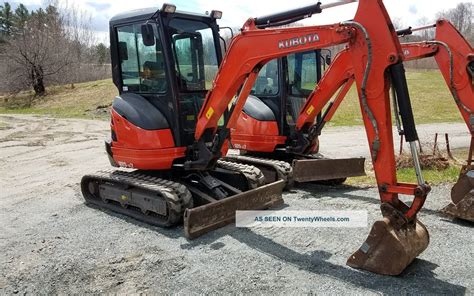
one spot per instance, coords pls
(148, 36)
(123, 51)
(327, 59)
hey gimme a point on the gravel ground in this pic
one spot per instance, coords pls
(53, 244)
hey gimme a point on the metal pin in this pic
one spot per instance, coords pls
(337, 3)
(423, 28)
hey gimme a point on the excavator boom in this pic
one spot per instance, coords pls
(451, 50)
(453, 55)
(376, 56)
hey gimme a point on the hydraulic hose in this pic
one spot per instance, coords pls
(452, 87)
(376, 143)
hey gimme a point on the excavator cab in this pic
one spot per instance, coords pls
(283, 86)
(163, 65)
(267, 126)
(170, 60)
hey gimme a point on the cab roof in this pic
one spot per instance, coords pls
(146, 13)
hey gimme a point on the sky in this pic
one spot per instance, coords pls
(236, 12)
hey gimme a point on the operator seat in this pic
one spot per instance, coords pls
(154, 76)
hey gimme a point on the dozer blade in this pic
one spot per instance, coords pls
(389, 251)
(202, 219)
(308, 170)
(462, 196)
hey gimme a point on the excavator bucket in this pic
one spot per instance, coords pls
(389, 249)
(308, 170)
(462, 196)
(202, 219)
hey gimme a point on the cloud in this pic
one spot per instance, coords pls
(99, 6)
(100, 23)
(412, 9)
(236, 12)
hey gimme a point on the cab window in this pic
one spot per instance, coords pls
(302, 74)
(142, 66)
(267, 80)
(195, 54)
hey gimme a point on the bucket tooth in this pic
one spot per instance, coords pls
(388, 250)
(462, 196)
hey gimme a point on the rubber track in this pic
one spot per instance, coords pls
(177, 196)
(283, 168)
(254, 175)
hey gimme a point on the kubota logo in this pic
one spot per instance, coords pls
(297, 41)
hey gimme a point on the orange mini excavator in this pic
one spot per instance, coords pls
(455, 59)
(264, 133)
(172, 125)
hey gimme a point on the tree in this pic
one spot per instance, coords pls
(46, 46)
(6, 20)
(21, 15)
(425, 34)
(34, 50)
(102, 53)
(397, 23)
(461, 17)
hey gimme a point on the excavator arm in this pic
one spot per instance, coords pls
(356, 63)
(454, 57)
(452, 52)
(238, 73)
(376, 56)
(339, 76)
(243, 60)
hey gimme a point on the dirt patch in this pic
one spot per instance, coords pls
(99, 111)
(427, 161)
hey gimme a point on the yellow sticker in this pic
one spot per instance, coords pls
(310, 110)
(209, 112)
(190, 117)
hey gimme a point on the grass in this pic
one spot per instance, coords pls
(408, 175)
(431, 100)
(430, 97)
(433, 177)
(84, 100)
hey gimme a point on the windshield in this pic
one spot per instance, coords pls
(195, 54)
(267, 80)
(302, 70)
(142, 65)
